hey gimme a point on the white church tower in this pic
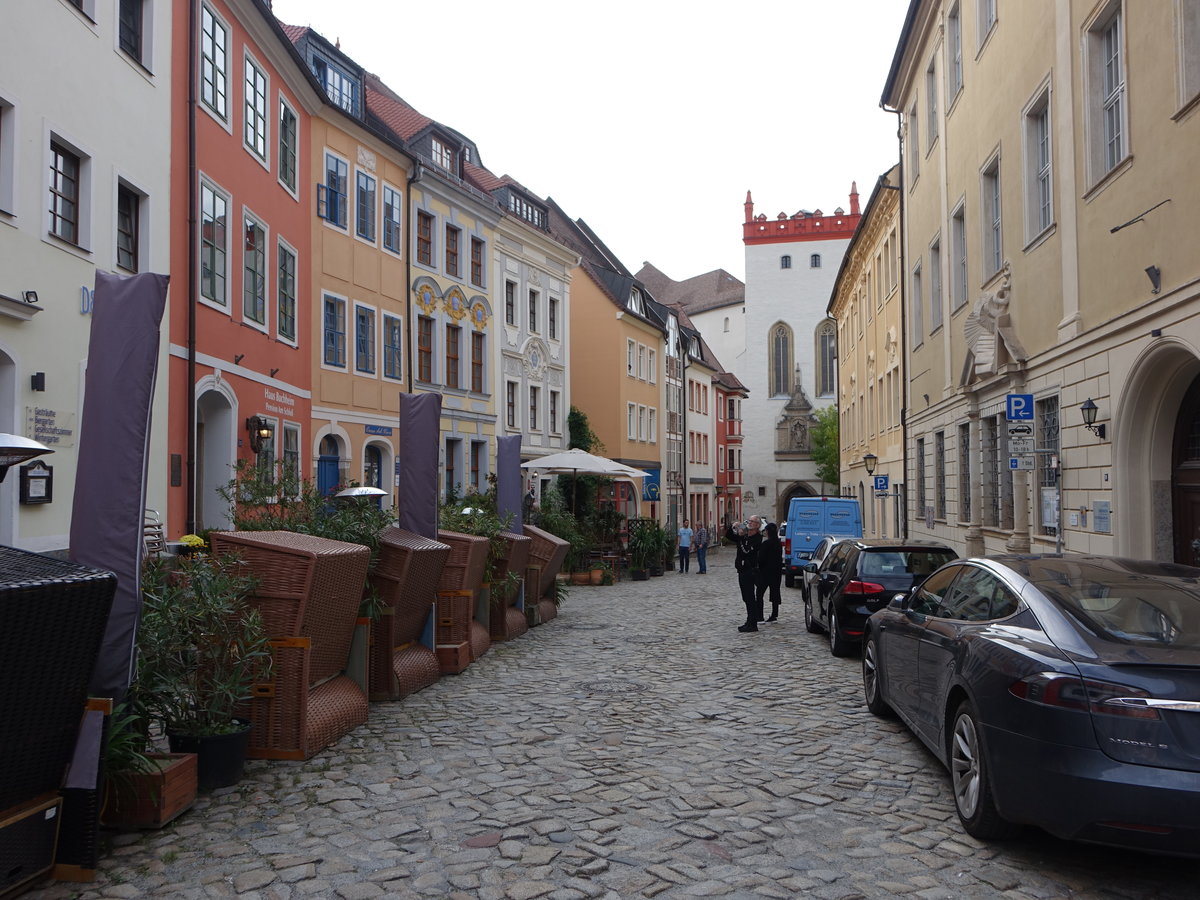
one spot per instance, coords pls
(789, 364)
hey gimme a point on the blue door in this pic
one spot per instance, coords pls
(327, 466)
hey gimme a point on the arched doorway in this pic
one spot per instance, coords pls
(328, 465)
(215, 457)
(1152, 410)
(373, 469)
(1185, 479)
(796, 489)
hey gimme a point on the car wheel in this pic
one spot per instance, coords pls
(838, 645)
(872, 689)
(789, 580)
(970, 778)
(810, 624)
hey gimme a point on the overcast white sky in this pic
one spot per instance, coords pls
(648, 119)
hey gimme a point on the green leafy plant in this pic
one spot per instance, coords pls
(825, 450)
(477, 514)
(643, 543)
(201, 646)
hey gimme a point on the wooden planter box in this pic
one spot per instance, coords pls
(152, 799)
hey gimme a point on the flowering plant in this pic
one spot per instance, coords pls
(193, 542)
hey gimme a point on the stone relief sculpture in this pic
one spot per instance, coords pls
(982, 326)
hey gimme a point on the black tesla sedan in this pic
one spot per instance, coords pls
(1060, 691)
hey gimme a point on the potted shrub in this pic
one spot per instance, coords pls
(142, 788)
(202, 649)
(642, 548)
(660, 541)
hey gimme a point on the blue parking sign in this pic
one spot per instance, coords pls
(1019, 407)
(881, 484)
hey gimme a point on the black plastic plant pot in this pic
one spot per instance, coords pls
(220, 758)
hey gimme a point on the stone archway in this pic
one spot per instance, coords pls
(795, 489)
(1144, 421)
(215, 457)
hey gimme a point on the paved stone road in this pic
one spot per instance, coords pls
(635, 747)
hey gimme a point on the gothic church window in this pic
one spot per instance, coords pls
(826, 358)
(780, 364)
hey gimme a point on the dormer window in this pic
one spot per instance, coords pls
(521, 207)
(339, 86)
(443, 155)
(635, 302)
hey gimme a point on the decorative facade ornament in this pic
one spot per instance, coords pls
(535, 277)
(479, 315)
(427, 298)
(988, 331)
(456, 304)
(366, 159)
(536, 355)
(793, 430)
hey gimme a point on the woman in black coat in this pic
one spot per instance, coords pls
(770, 571)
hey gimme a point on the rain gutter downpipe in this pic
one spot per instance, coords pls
(190, 480)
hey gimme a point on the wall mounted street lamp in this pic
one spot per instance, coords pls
(1089, 410)
(870, 460)
(260, 431)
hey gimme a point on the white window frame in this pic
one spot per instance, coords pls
(373, 362)
(554, 413)
(652, 424)
(373, 237)
(1039, 164)
(932, 125)
(630, 357)
(959, 261)
(914, 146)
(219, 108)
(512, 412)
(397, 222)
(652, 366)
(282, 247)
(254, 116)
(991, 205)
(641, 362)
(641, 422)
(343, 303)
(535, 408)
(917, 305)
(145, 58)
(82, 244)
(385, 347)
(222, 303)
(294, 187)
(986, 20)
(954, 54)
(249, 219)
(935, 283)
(631, 421)
(1106, 93)
(141, 226)
(1187, 27)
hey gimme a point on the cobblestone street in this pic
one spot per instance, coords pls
(636, 746)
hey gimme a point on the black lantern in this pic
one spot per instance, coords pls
(261, 431)
(1089, 410)
(870, 460)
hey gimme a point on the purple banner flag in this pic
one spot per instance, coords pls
(509, 480)
(417, 463)
(114, 435)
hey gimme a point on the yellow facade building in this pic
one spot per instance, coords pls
(1050, 207)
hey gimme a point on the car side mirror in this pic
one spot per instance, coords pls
(901, 602)
(811, 568)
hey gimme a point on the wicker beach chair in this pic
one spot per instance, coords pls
(309, 590)
(406, 579)
(506, 620)
(549, 552)
(464, 572)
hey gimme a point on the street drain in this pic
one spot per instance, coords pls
(613, 686)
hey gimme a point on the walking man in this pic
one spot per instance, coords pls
(702, 548)
(685, 546)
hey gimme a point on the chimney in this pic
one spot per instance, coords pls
(854, 211)
(749, 208)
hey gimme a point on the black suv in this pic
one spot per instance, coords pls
(861, 576)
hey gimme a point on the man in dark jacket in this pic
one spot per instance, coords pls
(746, 563)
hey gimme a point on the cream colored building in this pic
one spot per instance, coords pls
(866, 306)
(1050, 208)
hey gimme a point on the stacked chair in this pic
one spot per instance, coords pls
(406, 579)
(308, 592)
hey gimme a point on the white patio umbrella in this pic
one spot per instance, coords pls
(575, 461)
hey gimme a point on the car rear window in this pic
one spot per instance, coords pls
(1130, 609)
(903, 562)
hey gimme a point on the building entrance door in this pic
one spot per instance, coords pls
(1185, 479)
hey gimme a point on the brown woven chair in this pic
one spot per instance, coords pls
(549, 552)
(508, 622)
(464, 572)
(308, 593)
(406, 578)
